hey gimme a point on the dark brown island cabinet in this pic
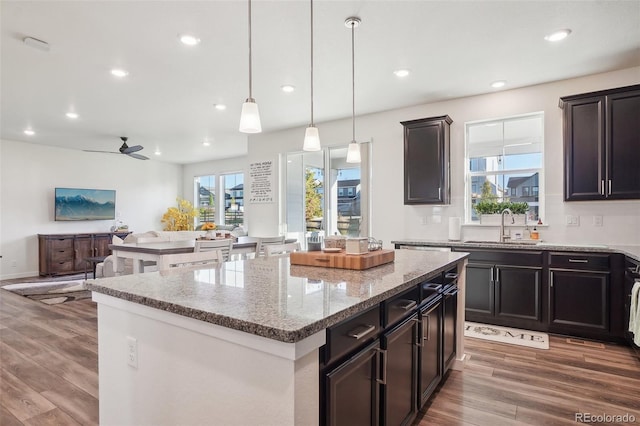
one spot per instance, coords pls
(426, 161)
(602, 144)
(63, 254)
(381, 367)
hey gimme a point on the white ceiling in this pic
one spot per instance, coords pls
(453, 49)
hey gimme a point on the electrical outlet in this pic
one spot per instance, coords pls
(14, 263)
(597, 220)
(423, 220)
(572, 220)
(132, 352)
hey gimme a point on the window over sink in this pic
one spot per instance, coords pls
(505, 162)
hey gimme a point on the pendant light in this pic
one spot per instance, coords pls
(353, 153)
(250, 117)
(311, 135)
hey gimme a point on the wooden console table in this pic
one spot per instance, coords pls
(64, 254)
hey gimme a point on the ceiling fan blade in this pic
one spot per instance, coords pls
(106, 152)
(138, 156)
(130, 149)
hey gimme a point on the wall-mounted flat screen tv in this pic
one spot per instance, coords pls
(85, 204)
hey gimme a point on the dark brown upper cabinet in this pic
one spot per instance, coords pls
(426, 161)
(602, 145)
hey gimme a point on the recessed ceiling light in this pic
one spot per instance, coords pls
(29, 132)
(206, 143)
(189, 40)
(401, 73)
(498, 84)
(220, 107)
(558, 35)
(119, 72)
(72, 115)
(288, 88)
(158, 152)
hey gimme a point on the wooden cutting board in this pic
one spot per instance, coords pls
(342, 260)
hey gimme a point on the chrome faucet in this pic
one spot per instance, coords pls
(504, 237)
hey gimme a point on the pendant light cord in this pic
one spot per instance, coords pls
(312, 125)
(353, 80)
(250, 64)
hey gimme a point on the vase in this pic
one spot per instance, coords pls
(210, 235)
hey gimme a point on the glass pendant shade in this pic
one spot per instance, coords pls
(311, 139)
(353, 153)
(250, 117)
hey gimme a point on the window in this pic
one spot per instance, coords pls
(227, 210)
(233, 184)
(205, 193)
(505, 161)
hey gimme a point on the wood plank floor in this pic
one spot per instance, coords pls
(49, 364)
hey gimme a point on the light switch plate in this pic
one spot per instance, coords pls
(572, 220)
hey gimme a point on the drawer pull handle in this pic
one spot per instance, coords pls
(361, 331)
(408, 304)
(578, 261)
(322, 260)
(383, 354)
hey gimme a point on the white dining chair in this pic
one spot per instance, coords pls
(265, 241)
(281, 249)
(223, 245)
(180, 260)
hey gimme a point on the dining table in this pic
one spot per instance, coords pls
(155, 252)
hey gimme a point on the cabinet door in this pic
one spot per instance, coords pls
(400, 373)
(479, 289)
(518, 291)
(623, 145)
(101, 244)
(584, 136)
(579, 300)
(430, 352)
(426, 161)
(449, 323)
(352, 395)
(83, 247)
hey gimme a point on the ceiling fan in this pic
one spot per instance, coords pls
(126, 149)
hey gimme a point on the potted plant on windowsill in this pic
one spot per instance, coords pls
(490, 211)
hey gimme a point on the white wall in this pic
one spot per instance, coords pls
(392, 220)
(30, 172)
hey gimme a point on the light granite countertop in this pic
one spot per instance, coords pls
(270, 297)
(632, 251)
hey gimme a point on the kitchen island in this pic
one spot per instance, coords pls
(238, 343)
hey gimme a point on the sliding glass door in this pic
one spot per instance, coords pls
(326, 195)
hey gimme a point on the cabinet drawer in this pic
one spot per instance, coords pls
(400, 306)
(587, 261)
(62, 255)
(510, 257)
(352, 333)
(59, 267)
(61, 243)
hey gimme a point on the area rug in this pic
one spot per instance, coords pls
(513, 336)
(51, 292)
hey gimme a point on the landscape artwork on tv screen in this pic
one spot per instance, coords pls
(85, 204)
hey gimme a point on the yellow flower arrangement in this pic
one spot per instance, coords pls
(208, 226)
(180, 218)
